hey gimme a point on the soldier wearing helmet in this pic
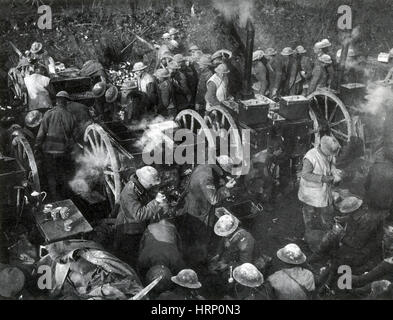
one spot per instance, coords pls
(55, 140)
(138, 207)
(186, 283)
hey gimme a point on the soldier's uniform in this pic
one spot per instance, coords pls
(166, 105)
(147, 85)
(55, 138)
(319, 77)
(204, 192)
(205, 74)
(260, 72)
(137, 209)
(182, 93)
(239, 248)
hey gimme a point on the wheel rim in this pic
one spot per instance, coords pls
(221, 122)
(99, 146)
(331, 115)
(22, 151)
(192, 120)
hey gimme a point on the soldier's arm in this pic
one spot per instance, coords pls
(212, 194)
(246, 248)
(134, 210)
(307, 172)
(316, 74)
(211, 96)
(261, 75)
(41, 132)
(151, 92)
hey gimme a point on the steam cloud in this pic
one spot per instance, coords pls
(90, 172)
(153, 136)
(378, 97)
(232, 9)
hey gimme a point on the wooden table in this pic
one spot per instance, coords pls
(53, 231)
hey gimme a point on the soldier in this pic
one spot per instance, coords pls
(166, 105)
(320, 74)
(146, 84)
(205, 73)
(293, 281)
(160, 245)
(224, 56)
(304, 74)
(41, 56)
(138, 207)
(39, 89)
(325, 46)
(195, 52)
(98, 91)
(249, 284)
(217, 87)
(317, 178)
(186, 283)
(82, 116)
(111, 103)
(260, 72)
(133, 103)
(168, 48)
(181, 91)
(207, 187)
(283, 77)
(190, 74)
(55, 140)
(238, 245)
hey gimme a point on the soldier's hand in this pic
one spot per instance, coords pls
(230, 184)
(161, 198)
(327, 179)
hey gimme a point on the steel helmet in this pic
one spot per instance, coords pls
(287, 51)
(248, 275)
(12, 281)
(157, 271)
(226, 225)
(33, 119)
(99, 89)
(187, 278)
(111, 94)
(63, 94)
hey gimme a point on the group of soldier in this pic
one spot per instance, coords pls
(182, 244)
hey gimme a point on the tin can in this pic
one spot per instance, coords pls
(64, 213)
(68, 225)
(54, 215)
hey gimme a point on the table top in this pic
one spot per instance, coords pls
(54, 230)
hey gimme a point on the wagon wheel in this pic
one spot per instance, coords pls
(100, 148)
(21, 150)
(332, 116)
(192, 120)
(226, 131)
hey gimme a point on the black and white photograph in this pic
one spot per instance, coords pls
(210, 151)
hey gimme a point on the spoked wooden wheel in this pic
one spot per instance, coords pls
(104, 157)
(22, 151)
(227, 133)
(192, 120)
(332, 116)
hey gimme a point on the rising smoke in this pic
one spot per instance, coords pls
(154, 133)
(91, 165)
(235, 9)
(378, 97)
